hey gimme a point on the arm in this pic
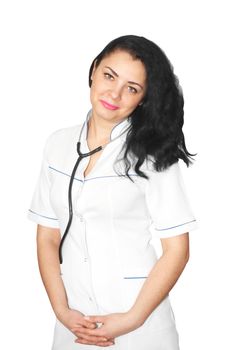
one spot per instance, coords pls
(48, 240)
(160, 281)
(162, 277)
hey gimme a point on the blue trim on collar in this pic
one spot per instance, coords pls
(93, 178)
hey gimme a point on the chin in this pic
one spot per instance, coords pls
(105, 113)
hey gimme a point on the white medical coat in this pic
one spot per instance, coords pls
(107, 254)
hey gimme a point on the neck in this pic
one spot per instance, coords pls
(99, 129)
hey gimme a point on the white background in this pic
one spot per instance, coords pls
(46, 50)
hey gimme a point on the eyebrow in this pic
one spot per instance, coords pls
(116, 75)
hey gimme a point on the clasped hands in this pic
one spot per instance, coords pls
(101, 330)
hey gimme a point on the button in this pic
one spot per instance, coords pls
(85, 259)
(80, 217)
(90, 299)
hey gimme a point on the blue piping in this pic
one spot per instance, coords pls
(43, 216)
(99, 177)
(169, 228)
(131, 278)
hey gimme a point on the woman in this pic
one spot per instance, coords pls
(109, 288)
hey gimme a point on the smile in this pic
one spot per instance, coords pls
(108, 105)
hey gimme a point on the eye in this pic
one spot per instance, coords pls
(132, 90)
(108, 76)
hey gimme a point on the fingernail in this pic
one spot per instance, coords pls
(87, 317)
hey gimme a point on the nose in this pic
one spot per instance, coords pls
(116, 91)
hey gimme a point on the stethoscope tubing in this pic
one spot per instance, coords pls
(81, 156)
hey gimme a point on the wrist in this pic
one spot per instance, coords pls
(134, 319)
(60, 310)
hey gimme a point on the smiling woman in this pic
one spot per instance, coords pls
(118, 83)
(110, 287)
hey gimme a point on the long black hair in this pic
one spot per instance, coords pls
(156, 124)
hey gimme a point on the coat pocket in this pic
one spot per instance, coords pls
(132, 283)
(162, 316)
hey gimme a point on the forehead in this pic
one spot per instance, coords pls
(125, 65)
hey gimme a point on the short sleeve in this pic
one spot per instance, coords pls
(168, 203)
(41, 210)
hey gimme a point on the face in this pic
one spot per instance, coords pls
(118, 86)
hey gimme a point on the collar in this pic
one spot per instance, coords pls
(119, 128)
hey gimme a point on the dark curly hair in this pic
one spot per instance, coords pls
(156, 124)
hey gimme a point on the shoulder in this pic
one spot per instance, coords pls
(60, 139)
(168, 183)
(172, 170)
(63, 134)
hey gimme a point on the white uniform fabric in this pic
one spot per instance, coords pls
(107, 254)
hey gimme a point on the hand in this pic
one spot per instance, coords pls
(113, 325)
(73, 319)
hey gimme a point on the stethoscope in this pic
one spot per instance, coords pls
(80, 157)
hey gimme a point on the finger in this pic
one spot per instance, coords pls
(88, 323)
(82, 329)
(84, 323)
(81, 334)
(83, 341)
(91, 338)
(90, 326)
(109, 340)
(103, 344)
(96, 319)
(98, 332)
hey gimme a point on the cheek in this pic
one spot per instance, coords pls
(94, 91)
(97, 87)
(131, 102)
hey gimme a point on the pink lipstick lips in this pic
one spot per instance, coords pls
(108, 105)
